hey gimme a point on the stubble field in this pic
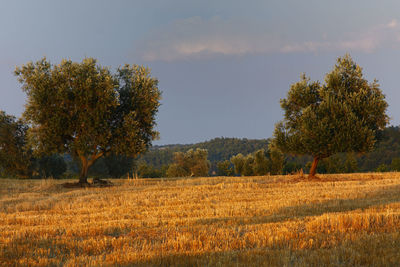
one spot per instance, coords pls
(340, 220)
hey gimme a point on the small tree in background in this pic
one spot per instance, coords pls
(238, 163)
(262, 165)
(191, 163)
(248, 166)
(15, 156)
(86, 111)
(259, 162)
(118, 165)
(292, 167)
(148, 171)
(277, 159)
(395, 165)
(224, 168)
(382, 168)
(51, 166)
(350, 164)
(342, 115)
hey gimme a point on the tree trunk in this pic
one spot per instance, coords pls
(85, 164)
(313, 169)
(84, 171)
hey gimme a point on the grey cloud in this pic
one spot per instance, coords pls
(198, 37)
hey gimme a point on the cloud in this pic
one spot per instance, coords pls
(197, 37)
(392, 24)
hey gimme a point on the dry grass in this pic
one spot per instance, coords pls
(342, 220)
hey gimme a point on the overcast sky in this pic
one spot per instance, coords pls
(223, 65)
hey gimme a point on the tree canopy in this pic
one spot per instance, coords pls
(85, 110)
(15, 157)
(342, 115)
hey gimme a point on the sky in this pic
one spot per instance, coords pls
(222, 65)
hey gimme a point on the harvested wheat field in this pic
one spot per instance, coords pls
(339, 220)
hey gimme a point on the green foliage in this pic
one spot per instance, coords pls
(277, 160)
(224, 168)
(98, 169)
(387, 148)
(338, 163)
(259, 162)
(248, 166)
(191, 163)
(118, 165)
(292, 167)
(148, 171)
(333, 164)
(219, 149)
(15, 156)
(351, 164)
(382, 168)
(395, 165)
(175, 170)
(51, 166)
(342, 115)
(85, 110)
(238, 163)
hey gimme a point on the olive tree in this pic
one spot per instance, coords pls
(83, 109)
(15, 156)
(190, 163)
(342, 115)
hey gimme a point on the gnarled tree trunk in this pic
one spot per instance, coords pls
(313, 169)
(85, 165)
(84, 171)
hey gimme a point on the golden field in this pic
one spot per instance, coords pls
(340, 220)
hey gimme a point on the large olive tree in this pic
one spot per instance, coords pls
(342, 115)
(87, 111)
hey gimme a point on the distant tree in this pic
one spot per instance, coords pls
(149, 171)
(191, 163)
(51, 166)
(350, 164)
(84, 110)
(259, 162)
(248, 166)
(395, 165)
(16, 157)
(262, 165)
(382, 168)
(224, 168)
(291, 167)
(333, 164)
(238, 163)
(277, 159)
(175, 170)
(99, 169)
(118, 165)
(343, 115)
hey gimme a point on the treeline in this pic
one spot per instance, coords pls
(220, 156)
(222, 152)
(219, 149)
